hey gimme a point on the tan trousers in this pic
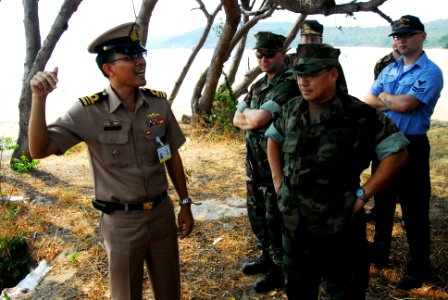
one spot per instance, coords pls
(134, 237)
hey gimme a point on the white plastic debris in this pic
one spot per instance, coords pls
(216, 241)
(27, 284)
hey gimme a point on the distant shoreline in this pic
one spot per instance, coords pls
(163, 67)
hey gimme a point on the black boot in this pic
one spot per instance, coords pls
(262, 265)
(273, 280)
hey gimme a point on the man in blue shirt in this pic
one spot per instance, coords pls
(407, 92)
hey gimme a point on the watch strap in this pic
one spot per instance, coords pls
(185, 201)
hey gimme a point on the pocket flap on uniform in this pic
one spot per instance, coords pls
(113, 137)
(290, 144)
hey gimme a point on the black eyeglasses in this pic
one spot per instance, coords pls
(405, 36)
(130, 57)
(266, 53)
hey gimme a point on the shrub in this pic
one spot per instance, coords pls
(23, 165)
(14, 260)
(224, 106)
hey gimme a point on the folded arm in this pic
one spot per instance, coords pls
(386, 101)
(252, 118)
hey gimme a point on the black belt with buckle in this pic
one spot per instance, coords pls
(109, 207)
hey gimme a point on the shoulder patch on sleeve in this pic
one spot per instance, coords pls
(88, 100)
(154, 93)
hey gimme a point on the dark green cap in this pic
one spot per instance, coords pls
(269, 40)
(312, 58)
(311, 27)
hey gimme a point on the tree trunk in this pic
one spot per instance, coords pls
(36, 59)
(144, 16)
(239, 52)
(329, 7)
(222, 52)
(196, 97)
(205, 100)
(236, 61)
(186, 68)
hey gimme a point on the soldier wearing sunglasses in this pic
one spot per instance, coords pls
(253, 115)
(311, 32)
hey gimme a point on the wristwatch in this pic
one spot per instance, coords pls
(185, 201)
(361, 194)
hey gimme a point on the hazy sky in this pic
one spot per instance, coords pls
(170, 17)
(178, 16)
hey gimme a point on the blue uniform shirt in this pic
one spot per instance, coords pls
(423, 80)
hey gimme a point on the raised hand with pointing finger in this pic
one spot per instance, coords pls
(44, 82)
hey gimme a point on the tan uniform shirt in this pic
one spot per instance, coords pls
(122, 144)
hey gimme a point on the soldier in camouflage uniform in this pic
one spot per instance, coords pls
(311, 32)
(254, 114)
(389, 58)
(317, 149)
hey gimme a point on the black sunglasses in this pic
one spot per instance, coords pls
(405, 36)
(266, 53)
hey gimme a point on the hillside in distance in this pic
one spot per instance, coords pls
(338, 37)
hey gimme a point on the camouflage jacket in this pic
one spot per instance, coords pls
(271, 95)
(382, 63)
(323, 160)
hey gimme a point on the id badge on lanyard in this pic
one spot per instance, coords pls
(164, 151)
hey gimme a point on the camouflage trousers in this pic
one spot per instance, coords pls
(340, 260)
(265, 219)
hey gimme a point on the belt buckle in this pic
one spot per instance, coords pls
(148, 205)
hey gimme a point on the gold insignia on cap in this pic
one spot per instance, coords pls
(403, 22)
(129, 30)
(134, 34)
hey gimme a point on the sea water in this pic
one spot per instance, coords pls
(79, 76)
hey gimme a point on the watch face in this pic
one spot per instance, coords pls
(359, 193)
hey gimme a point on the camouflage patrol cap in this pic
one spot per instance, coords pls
(269, 40)
(124, 38)
(312, 58)
(311, 27)
(394, 25)
(407, 24)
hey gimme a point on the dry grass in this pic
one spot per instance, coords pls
(64, 231)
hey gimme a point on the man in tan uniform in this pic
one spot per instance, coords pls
(132, 135)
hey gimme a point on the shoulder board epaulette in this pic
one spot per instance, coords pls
(88, 100)
(154, 93)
